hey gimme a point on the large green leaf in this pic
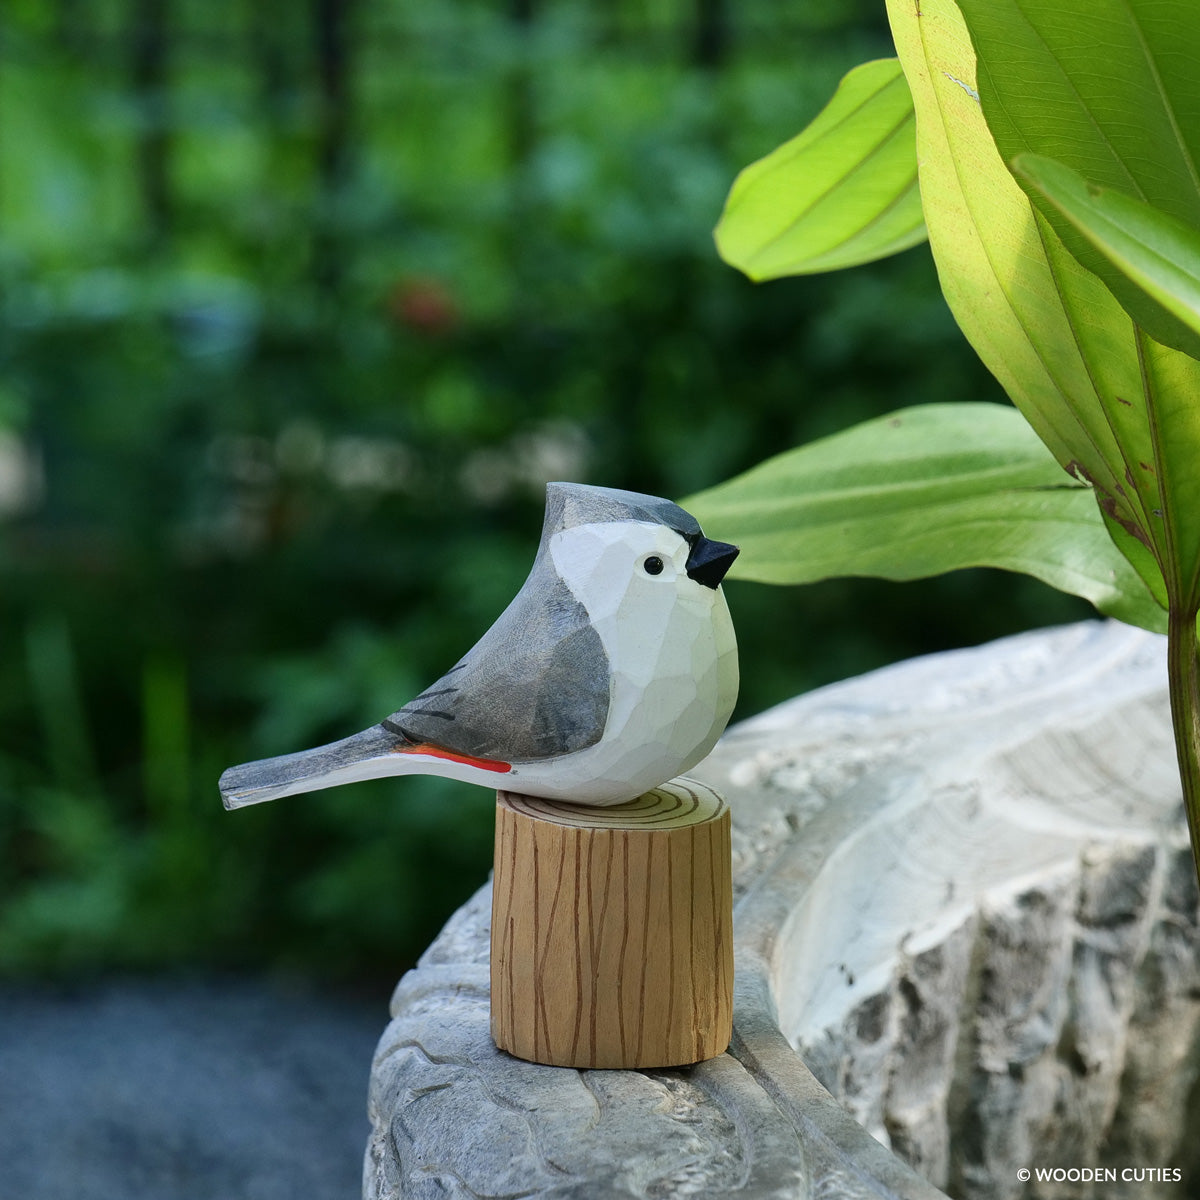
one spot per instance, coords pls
(1162, 256)
(925, 490)
(1117, 99)
(1098, 391)
(1109, 88)
(1158, 253)
(842, 192)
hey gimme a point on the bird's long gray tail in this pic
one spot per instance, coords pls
(364, 755)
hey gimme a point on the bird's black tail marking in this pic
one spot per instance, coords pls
(446, 691)
(398, 730)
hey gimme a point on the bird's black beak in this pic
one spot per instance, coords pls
(709, 561)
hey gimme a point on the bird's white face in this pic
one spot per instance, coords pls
(637, 568)
(669, 642)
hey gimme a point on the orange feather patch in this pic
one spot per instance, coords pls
(484, 764)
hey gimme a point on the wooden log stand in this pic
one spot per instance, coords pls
(612, 929)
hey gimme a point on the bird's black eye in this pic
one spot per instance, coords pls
(653, 565)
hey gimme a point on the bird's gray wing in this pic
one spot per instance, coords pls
(535, 686)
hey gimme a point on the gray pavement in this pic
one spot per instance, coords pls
(184, 1090)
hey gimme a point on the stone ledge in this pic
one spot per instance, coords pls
(966, 935)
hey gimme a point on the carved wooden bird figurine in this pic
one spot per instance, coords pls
(613, 670)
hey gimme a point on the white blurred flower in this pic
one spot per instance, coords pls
(22, 477)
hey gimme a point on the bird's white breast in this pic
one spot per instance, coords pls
(672, 658)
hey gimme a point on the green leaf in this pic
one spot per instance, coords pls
(925, 490)
(1099, 392)
(1156, 252)
(1162, 256)
(1110, 89)
(842, 192)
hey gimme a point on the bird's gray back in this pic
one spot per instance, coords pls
(535, 686)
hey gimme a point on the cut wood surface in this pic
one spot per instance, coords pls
(612, 929)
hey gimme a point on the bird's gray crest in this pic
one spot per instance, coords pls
(571, 504)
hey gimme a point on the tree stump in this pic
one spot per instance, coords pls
(612, 929)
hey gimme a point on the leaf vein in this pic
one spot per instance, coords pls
(1168, 107)
(1083, 105)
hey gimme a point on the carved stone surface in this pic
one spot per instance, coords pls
(967, 940)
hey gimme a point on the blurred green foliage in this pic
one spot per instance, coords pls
(301, 306)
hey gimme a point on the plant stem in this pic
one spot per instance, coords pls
(1183, 674)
